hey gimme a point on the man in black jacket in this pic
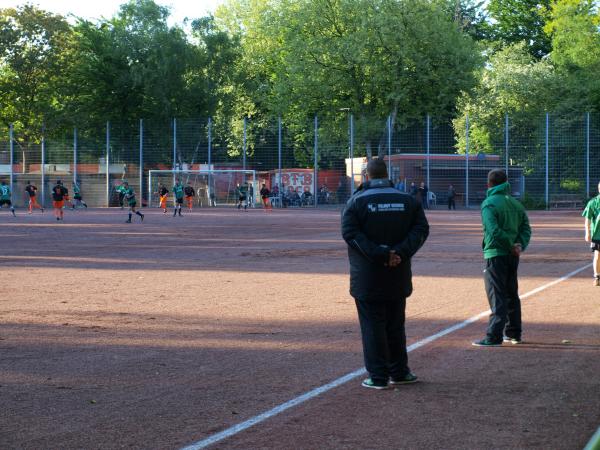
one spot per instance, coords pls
(383, 228)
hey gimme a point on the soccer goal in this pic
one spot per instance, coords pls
(212, 187)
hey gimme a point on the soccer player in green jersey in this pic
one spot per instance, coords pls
(129, 195)
(242, 190)
(5, 197)
(178, 193)
(592, 232)
(78, 199)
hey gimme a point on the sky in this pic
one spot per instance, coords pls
(107, 8)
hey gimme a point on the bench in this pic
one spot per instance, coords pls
(566, 201)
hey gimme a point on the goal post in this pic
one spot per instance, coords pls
(212, 187)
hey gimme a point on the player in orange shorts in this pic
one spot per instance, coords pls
(32, 192)
(163, 192)
(190, 193)
(59, 194)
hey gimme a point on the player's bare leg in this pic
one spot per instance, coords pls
(596, 268)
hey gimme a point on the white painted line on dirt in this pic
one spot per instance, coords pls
(231, 431)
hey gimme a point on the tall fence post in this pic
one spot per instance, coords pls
(428, 145)
(587, 155)
(12, 156)
(315, 169)
(209, 160)
(389, 145)
(506, 144)
(141, 171)
(174, 148)
(279, 160)
(107, 164)
(351, 153)
(467, 162)
(75, 155)
(547, 196)
(43, 168)
(244, 143)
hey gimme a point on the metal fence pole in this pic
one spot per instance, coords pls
(428, 145)
(467, 163)
(389, 145)
(141, 171)
(587, 155)
(547, 160)
(315, 168)
(351, 153)
(209, 160)
(506, 144)
(174, 148)
(43, 167)
(279, 156)
(107, 164)
(75, 155)
(12, 157)
(244, 143)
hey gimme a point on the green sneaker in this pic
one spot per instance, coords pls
(369, 383)
(486, 343)
(409, 378)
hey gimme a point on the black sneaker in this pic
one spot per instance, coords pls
(142, 217)
(369, 383)
(486, 343)
(406, 379)
(512, 340)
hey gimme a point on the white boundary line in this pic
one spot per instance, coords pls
(235, 429)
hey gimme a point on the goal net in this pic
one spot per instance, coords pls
(212, 187)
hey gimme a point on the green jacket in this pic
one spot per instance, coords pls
(505, 222)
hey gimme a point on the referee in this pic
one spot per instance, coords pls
(383, 228)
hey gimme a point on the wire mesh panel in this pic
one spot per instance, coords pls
(593, 150)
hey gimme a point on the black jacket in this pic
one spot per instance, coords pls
(377, 219)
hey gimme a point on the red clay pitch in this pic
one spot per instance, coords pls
(158, 334)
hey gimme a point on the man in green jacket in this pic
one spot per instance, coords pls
(592, 232)
(506, 233)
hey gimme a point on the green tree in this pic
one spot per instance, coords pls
(34, 48)
(521, 21)
(404, 58)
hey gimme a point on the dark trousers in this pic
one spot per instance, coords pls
(383, 338)
(502, 290)
(451, 203)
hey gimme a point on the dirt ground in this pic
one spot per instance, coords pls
(158, 334)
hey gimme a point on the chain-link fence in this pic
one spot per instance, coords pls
(552, 161)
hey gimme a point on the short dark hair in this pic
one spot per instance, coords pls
(376, 168)
(496, 177)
